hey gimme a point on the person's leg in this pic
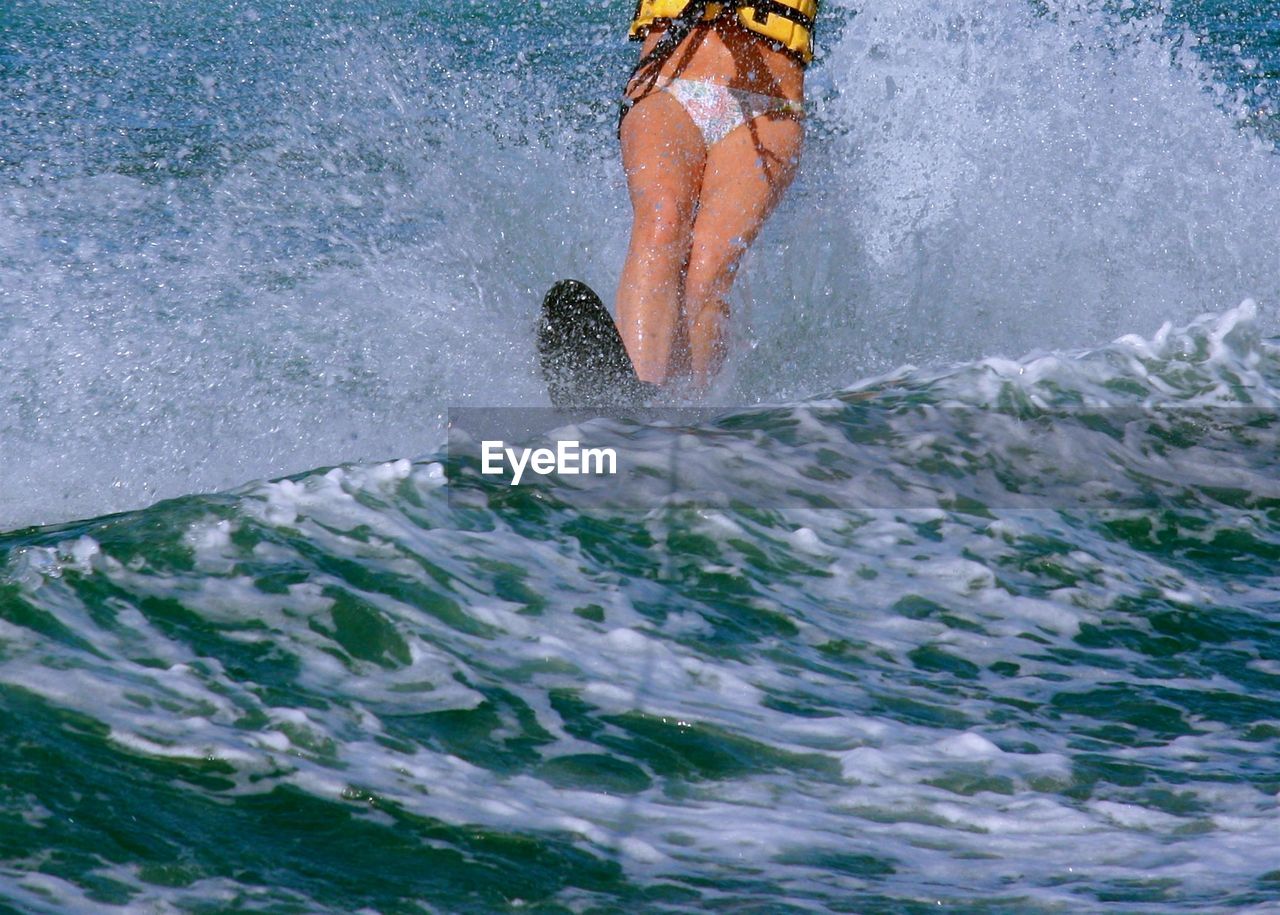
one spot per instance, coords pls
(663, 155)
(745, 176)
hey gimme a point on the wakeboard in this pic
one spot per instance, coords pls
(583, 359)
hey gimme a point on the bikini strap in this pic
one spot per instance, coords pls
(678, 29)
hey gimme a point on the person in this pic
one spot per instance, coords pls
(711, 132)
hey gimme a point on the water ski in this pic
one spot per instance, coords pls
(581, 353)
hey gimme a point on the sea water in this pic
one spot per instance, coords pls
(277, 242)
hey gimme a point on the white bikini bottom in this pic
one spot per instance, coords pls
(716, 110)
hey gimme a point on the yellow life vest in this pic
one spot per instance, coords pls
(786, 23)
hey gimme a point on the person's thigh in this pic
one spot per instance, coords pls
(663, 154)
(745, 176)
(663, 157)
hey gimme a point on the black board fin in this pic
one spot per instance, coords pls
(583, 359)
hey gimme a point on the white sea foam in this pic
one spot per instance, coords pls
(925, 797)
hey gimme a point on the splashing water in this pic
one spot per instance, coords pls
(242, 242)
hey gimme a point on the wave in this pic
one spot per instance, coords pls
(509, 699)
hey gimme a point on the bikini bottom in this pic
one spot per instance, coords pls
(716, 109)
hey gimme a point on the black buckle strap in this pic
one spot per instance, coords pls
(766, 8)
